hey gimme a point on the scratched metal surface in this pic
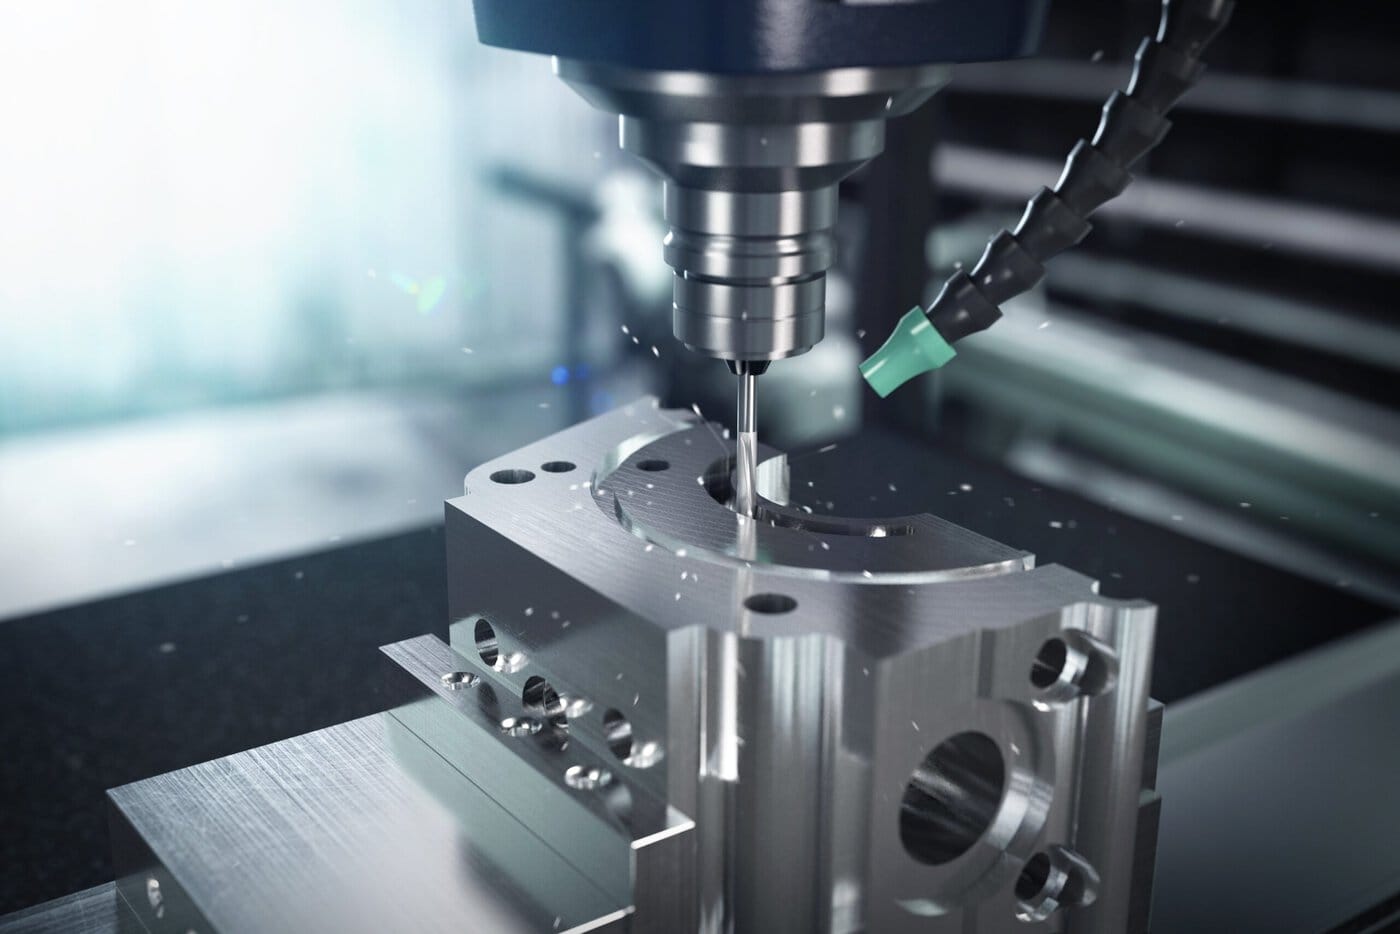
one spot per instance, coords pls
(91, 911)
(358, 827)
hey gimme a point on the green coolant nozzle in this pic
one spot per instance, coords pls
(914, 347)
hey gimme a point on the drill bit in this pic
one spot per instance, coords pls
(746, 444)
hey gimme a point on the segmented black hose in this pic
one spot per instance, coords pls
(1096, 171)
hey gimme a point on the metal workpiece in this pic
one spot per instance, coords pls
(751, 165)
(883, 725)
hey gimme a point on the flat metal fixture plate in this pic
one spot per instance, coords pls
(357, 827)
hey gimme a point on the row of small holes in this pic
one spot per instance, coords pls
(515, 475)
(1051, 667)
(539, 697)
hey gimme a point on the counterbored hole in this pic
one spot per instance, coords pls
(520, 726)
(540, 699)
(770, 603)
(486, 643)
(951, 798)
(513, 476)
(586, 778)
(1052, 880)
(617, 730)
(557, 466)
(653, 465)
(1031, 881)
(1069, 665)
(456, 680)
(1049, 664)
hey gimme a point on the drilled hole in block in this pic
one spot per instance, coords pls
(1036, 873)
(486, 644)
(770, 603)
(510, 477)
(1070, 665)
(1050, 662)
(1053, 879)
(541, 700)
(617, 730)
(456, 680)
(586, 778)
(951, 798)
(521, 726)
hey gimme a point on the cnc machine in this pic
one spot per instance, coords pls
(673, 700)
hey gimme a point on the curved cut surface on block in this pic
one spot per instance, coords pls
(687, 507)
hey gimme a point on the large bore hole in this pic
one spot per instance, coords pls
(486, 643)
(540, 699)
(952, 797)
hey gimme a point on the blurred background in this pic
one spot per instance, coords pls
(273, 277)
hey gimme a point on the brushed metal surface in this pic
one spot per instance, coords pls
(91, 911)
(358, 827)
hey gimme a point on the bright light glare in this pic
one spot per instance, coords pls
(195, 198)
